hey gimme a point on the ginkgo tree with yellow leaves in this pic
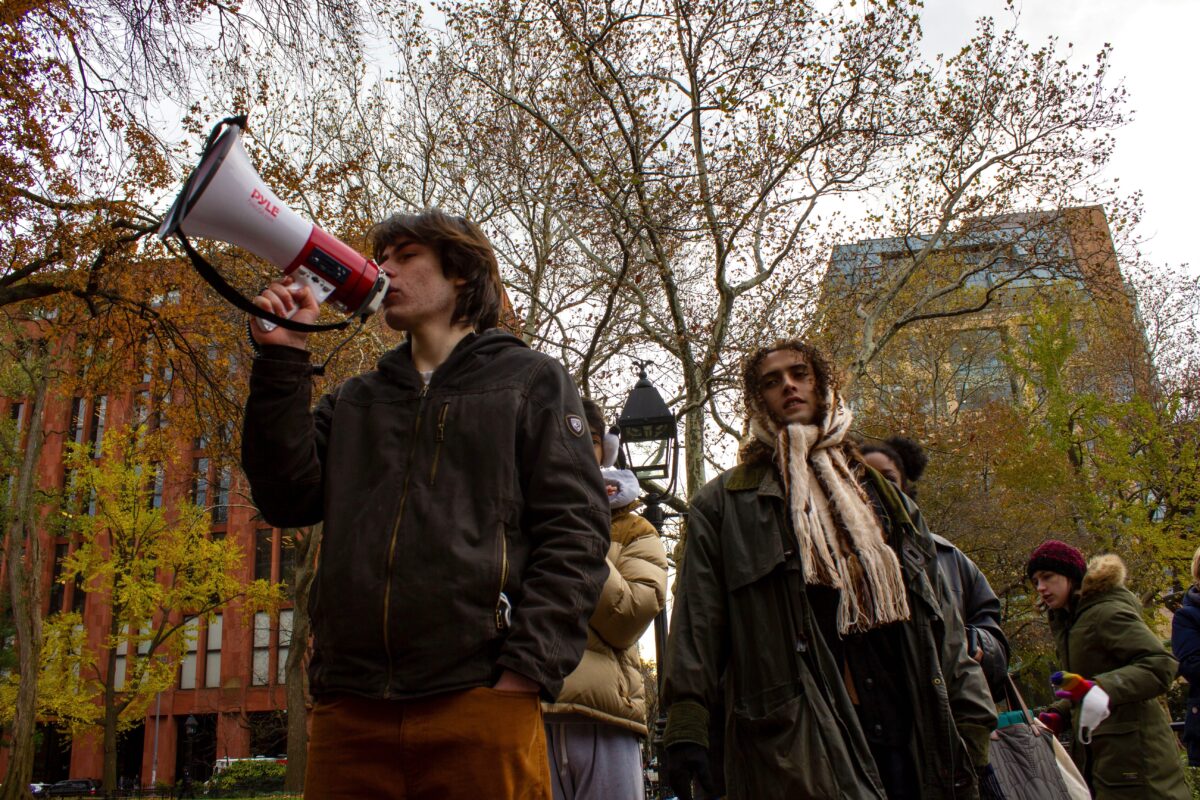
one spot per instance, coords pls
(156, 568)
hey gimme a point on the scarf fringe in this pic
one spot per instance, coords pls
(844, 550)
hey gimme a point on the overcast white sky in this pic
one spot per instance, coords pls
(1154, 51)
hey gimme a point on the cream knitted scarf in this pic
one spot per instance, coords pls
(840, 539)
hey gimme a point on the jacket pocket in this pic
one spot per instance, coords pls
(439, 438)
(780, 749)
(1118, 756)
(502, 616)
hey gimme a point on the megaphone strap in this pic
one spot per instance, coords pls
(223, 288)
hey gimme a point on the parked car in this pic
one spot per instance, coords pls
(37, 789)
(74, 787)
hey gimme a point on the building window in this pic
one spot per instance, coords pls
(261, 666)
(220, 509)
(264, 539)
(75, 430)
(156, 487)
(285, 644)
(57, 589)
(287, 561)
(17, 414)
(187, 670)
(142, 411)
(119, 662)
(96, 431)
(212, 653)
(200, 482)
(78, 595)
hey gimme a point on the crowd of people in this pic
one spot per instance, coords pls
(484, 579)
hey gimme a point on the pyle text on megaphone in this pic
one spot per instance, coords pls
(226, 200)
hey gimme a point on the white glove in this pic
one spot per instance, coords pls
(1092, 711)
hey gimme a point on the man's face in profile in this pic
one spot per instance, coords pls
(418, 291)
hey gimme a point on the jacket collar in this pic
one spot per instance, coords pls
(757, 476)
(397, 363)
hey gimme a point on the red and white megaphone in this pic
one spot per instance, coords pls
(225, 199)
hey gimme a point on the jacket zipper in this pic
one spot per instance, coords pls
(503, 606)
(391, 554)
(441, 437)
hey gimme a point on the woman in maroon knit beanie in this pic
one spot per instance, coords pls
(1112, 671)
(1060, 559)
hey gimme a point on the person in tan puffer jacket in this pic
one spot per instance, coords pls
(593, 727)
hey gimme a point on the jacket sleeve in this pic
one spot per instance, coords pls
(565, 516)
(981, 614)
(636, 588)
(1185, 644)
(283, 439)
(698, 641)
(1149, 668)
(967, 690)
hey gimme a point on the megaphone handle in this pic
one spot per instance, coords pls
(302, 277)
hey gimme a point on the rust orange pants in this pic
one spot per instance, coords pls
(478, 744)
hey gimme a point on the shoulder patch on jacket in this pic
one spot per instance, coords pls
(575, 424)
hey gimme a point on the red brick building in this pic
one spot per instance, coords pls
(231, 680)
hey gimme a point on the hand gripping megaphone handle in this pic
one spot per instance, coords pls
(214, 279)
(225, 199)
(302, 277)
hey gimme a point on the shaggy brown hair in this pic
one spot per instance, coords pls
(826, 378)
(463, 251)
(823, 372)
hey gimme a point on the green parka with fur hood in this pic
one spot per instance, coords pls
(1102, 636)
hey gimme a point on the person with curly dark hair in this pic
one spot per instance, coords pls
(812, 613)
(902, 461)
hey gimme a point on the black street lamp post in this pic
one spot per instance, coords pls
(651, 451)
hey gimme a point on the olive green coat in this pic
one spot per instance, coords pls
(1102, 636)
(741, 614)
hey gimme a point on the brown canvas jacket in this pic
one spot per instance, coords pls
(438, 503)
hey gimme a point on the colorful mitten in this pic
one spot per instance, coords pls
(1071, 686)
(1052, 720)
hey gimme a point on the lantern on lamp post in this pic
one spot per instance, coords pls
(650, 445)
(648, 434)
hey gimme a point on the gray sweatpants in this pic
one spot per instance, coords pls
(593, 761)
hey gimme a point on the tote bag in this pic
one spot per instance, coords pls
(1030, 766)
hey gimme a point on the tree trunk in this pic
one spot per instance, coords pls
(23, 552)
(307, 547)
(693, 443)
(112, 709)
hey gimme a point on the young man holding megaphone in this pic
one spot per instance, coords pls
(465, 527)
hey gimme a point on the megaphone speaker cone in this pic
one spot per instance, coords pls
(226, 199)
(231, 203)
